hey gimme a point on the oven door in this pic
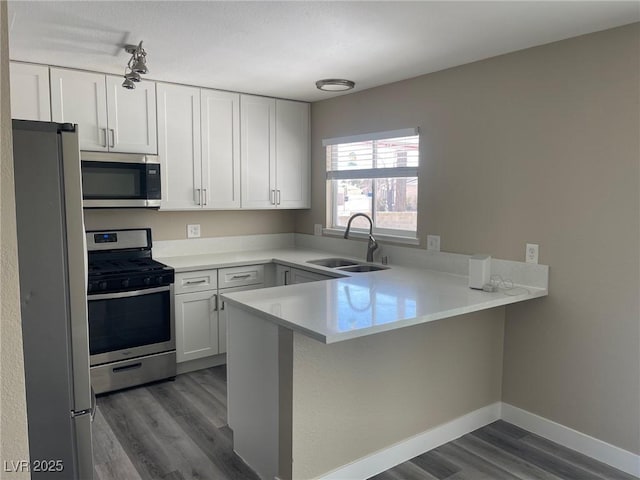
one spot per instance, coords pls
(130, 324)
(120, 184)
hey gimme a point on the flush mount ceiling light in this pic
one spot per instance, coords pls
(137, 65)
(335, 84)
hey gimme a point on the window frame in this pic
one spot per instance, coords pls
(409, 236)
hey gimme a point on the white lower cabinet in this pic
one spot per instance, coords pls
(196, 325)
(200, 318)
(289, 276)
(282, 275)
(304, 276)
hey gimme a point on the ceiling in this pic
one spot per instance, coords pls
(281, 48)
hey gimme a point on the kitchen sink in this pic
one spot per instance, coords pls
(363, 268)
(333, 262)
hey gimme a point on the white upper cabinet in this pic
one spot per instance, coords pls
(275, 153)
(292, 155)
(80, 97)
(131, 116)
(110, 118)
(199, 146)
(258, 139)
(30, 92)
(220, 124)
(179, 147)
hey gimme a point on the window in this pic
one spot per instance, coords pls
(376, 174)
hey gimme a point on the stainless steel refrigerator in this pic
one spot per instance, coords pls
(53, 300)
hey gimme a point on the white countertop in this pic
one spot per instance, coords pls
(357, 305)
(287, 256)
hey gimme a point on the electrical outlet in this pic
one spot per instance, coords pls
(193, 231)
(317, 229)
(531, 253)
(433, 243)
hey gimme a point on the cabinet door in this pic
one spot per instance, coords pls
(81, 97)
(196, 325)
(131, 117)
(257, 134)
(292, 154)
(222, 315)
(303, 276)
(282, 275)
(220, 113)
(179, 146)
(30, 92)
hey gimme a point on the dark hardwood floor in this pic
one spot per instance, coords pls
(170, 430)
(177, 431)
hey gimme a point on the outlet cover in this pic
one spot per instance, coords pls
(531, 253)
(193, 231)
(433, 243)
(317, 229)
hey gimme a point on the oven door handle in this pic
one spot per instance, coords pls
(135, 293)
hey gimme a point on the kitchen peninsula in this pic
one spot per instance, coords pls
(310, 365)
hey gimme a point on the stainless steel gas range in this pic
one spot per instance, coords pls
(130, 303)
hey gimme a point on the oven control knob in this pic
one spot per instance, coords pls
(147, 280)
(102, 285)
(160, 279)
(125, 282)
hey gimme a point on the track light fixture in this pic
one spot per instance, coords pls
(137, 65)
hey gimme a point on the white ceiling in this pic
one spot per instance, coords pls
(281, 48)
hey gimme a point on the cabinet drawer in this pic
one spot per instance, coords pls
(240, 276)
(197, 281)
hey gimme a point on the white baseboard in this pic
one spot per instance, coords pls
(382, 460)
(402, 451)
(570, 438)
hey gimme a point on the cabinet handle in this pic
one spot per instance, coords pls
(222, 305)
(277, 197)
(246, 275)
(113, 137)
(204, 196)
(286, 277)
(199, 200)
(215, 303)
(195, 282)
(104, 130)
(132, 366)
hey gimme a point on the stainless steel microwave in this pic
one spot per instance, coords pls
(120, 180)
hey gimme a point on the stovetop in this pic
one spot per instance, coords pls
(104, 267)
(110, 276)
(120, 260)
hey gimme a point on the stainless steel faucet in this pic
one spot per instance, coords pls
(372, 245)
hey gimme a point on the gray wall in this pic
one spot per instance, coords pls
(540, 146)
(173, 225)
(14, 444)
(351, 399)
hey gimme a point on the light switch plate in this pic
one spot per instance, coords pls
(193, 230)
(433, 243)
(531, 253)
(317, 229)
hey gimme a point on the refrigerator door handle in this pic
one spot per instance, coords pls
(77, 274)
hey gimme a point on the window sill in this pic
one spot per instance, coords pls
(334, 232)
